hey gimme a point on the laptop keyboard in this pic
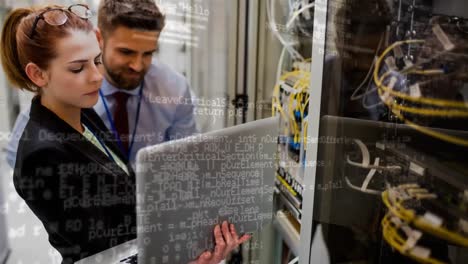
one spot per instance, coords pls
(130, 260)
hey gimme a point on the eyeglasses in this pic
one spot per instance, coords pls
(57, 16)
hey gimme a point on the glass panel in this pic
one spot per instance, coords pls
(392, 179)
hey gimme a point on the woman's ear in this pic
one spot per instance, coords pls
(38, 76)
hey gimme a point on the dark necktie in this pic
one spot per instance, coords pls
(121, 118)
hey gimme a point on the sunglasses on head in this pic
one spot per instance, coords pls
(58, 17)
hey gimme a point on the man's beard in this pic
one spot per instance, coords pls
(120, 81)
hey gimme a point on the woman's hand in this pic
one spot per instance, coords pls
(226, 240)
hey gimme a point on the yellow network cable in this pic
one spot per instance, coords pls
(301, 83)
(410, 217)
(298, 101)
(386, 225)
(421, 111)
(397, 109)
(274, 99)
(429, 112)
(300, 105)
(405, 215)
(445, 137)
(296, 73)
(280, 109)
(286, 185)
(286, 76)
(392, 237)
(430, 132)
(304, 105)
(276, 104)
(304, 131)
(293, 122)
(427, 72)
(440, 232)
(422, 100)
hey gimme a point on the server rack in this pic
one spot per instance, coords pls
(387, 181)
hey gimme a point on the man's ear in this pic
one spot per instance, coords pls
(99, 38)
(38, 76)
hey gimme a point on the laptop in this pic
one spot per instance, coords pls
(186, 187)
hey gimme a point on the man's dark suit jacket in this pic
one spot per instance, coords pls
(85, 201)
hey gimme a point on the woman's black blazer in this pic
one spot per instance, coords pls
(85, 201)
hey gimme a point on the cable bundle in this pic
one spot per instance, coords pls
(406, 224)
(296, 104)
(417, 104)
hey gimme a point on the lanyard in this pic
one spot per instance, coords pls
(103, 146)
(111, 121)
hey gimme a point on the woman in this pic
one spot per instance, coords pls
(68, 169)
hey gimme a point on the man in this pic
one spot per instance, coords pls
(128, 33)
(143, 103)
